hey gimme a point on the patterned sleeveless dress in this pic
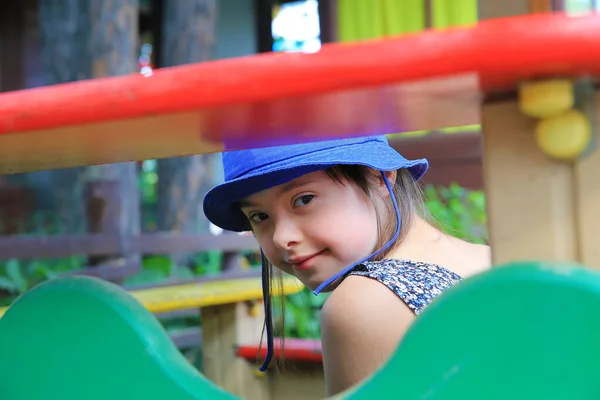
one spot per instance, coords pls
(416, 283)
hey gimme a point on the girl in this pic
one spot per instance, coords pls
(344, 216)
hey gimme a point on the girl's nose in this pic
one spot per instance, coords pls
(286, 234)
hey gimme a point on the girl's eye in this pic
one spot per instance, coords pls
(258, 217)
(303, 200)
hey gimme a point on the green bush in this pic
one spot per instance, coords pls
(458, 211)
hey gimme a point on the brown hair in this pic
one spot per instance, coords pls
(410, 199)
(407, 192)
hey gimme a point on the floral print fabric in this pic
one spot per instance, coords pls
(416, 283)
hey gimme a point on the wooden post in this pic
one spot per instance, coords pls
(188, 36)
(540, 6)
(83, 40)
(586, 196)
(489, 9)
(16, 205)
(11, 45)
(102, 205)
(529, 196)
(104, 211)
(224, 327)
(538, 208)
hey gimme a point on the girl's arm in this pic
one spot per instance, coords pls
(362, 323)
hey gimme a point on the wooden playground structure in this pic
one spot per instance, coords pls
(537, 105)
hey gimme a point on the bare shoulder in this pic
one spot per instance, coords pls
(470, 259)
(362, 323)
(482, 257)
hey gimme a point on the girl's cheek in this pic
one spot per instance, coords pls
(266, 246)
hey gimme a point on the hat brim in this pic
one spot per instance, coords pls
(220, 202)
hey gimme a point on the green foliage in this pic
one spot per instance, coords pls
(302, 312)
(12, 279)
(18, 276)
(159, 268)
(156, 269)
(148, 177)
(207, 263)
(41, 222)
(459, 212)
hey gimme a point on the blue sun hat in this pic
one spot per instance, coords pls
(250, 171)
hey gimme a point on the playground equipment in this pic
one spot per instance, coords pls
(522, 330)
(81, 337)
(232, 305)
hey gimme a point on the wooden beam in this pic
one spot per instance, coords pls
(114, 270)
(186, 338)
(450, 148)
(454, 158)
(343, 90)
(293, 349)
(223, 276)
(26, 247)
(206, 294)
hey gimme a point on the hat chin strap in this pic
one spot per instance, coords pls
(265, 279)
(343, 272)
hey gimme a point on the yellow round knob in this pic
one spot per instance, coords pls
(244, 263)
(546, 98)
(254, 309)
(564, 136)
(258, 373)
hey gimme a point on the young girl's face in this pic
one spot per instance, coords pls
(313, 227)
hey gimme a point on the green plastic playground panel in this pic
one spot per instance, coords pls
(523, 331)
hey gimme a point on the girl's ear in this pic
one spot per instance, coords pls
(381, 187)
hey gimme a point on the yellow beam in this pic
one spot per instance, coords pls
(199, 295)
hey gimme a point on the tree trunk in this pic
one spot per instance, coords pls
(188, 37)
(84, 39)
